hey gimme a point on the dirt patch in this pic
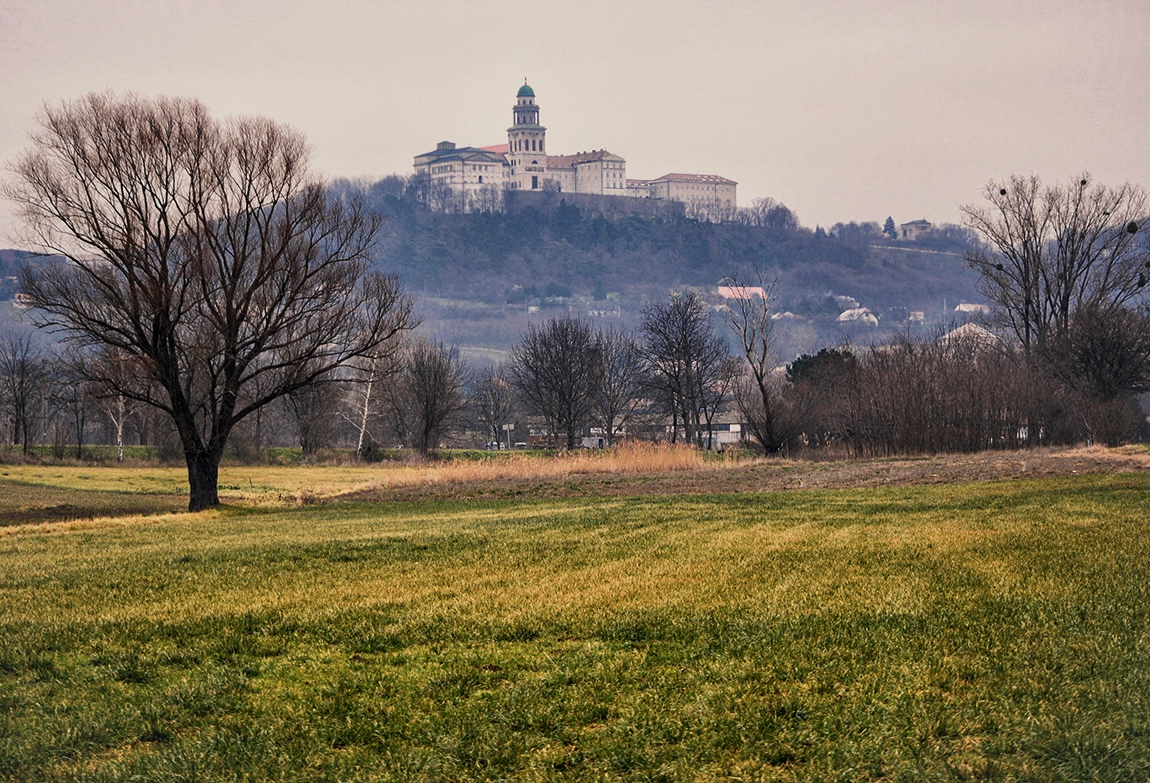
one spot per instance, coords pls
(782, 475)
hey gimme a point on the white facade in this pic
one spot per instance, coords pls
(466, 176)
(914, 229)
(706, 195)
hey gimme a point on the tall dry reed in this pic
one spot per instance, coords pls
(624, 458)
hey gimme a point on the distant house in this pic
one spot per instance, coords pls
(859, 315)
(742, 291)
(972, 309)
(914, 229)
(971, 334)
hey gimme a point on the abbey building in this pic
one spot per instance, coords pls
(473, 178)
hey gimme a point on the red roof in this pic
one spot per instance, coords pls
(498, 149)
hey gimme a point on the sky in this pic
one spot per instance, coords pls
(842, 110)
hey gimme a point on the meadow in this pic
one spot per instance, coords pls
(975, 630)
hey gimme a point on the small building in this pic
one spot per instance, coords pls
(971, 334)
(914, 229)
(972, 309)
(858, 315)
(742, 292)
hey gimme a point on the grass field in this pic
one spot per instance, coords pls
(996, 631)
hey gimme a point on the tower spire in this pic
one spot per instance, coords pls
(526, 142)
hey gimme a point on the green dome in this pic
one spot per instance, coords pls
(525, 91)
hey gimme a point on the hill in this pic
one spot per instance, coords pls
(480, 278)
(478, 275)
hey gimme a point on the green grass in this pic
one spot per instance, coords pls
(991, 631)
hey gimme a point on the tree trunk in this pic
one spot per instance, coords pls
(203, 480)
(119, 422)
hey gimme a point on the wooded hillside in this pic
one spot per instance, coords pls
(477, 275)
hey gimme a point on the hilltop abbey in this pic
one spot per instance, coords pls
(475, 177)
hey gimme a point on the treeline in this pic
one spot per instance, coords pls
(412, 395)
(959, 393)
(570, 383)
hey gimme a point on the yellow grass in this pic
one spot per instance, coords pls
(266, 485)
(630, 458)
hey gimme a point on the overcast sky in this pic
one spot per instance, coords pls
(842, 110)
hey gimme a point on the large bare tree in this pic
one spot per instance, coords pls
(551, 370)
(686, 359)
(428, 394)
(203, 249)
(493, 400)
(1058, 248)
(618, 380)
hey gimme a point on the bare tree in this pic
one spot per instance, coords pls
(109, 371)
(488, 198)
(1055, 249)
(618, 380)
(206, 251)
(684, 355)
(760, 398)
(74, 403)
(1104, 354)
(493, 400)
(368, 396)
(429, 393)
(313, 410)
(551, 371)
(24, 381)
(768, 213)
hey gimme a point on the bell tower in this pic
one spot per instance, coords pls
(526, 142)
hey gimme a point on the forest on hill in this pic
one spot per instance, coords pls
(480, 277)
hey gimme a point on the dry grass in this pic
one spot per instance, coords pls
(625, 459)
